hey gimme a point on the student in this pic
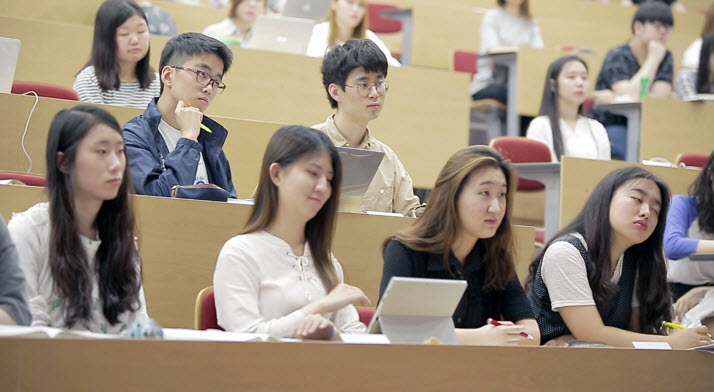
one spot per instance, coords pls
(691, 82)
(118, 70)
(346, 19)
(78, 251)
(465, 233)
(603, 277)
(354, 77)
(279, 276)
(236, 28)
(508, 25)
(13, 304)
(690, 59)
(624, 67)
(166, 145)
(561, 125)
(690, 229)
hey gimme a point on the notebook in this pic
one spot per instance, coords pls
(281, 34)
(9, 52)
(413, 310)
(306, 9)
(358, 169)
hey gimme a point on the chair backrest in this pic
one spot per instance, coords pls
(45, 90)
(25, 178)
(365, 315)
(522, 150)
(205, 312)
(380, 24)
(693, 160)
(465, 61)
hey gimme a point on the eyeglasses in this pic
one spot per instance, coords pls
(205, 79)
(364, 89)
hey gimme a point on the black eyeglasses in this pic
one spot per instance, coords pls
(205, 79)
(364, 89)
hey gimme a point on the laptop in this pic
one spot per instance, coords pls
(306, 9)
(9, 52)
(281, 34)
(415, 309)
(358, 169)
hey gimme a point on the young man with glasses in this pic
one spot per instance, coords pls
(625, 67)
(173, 143)
(354, 77)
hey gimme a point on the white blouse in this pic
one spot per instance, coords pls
(588, 139)
(30, 231)
(260, 286)
(317, 47)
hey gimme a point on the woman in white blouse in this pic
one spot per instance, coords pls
(279, 276)
(346, 19)
(236, 28)
(561, 126)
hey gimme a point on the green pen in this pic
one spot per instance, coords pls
(205, 128)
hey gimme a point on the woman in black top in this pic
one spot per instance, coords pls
(465, 233)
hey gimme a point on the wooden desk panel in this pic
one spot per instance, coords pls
(179, 250)
(670, 127)
(120, 365)
(82, 12)
(578, 178)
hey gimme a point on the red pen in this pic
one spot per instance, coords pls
(496, 323)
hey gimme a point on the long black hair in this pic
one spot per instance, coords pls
(703, 191)
(704, 82)
(593, 223)
(110, 15)
(117, 264)
(549, 103)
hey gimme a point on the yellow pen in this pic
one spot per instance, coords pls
(205, 128)
(677, 326)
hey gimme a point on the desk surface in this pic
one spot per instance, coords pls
(179, 251)
(29, 365)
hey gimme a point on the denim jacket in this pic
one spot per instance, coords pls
(154, 170)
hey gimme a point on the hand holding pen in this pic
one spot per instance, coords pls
(496, 323)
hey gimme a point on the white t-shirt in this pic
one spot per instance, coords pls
(588, 139)
(565, 275)
(30, 231)
(260, 287)
(171, 136)
(690, 59)
(317, 47)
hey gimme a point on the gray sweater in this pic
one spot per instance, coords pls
(12, 280)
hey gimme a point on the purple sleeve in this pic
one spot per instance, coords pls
(682, 211)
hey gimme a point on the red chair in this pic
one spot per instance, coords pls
(205, 312)
(365, 315)
(692, 160)
(465, 61)
(25, 178)
(380, 24)
(522, 150)
(45, 90)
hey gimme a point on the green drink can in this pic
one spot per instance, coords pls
(645, 82)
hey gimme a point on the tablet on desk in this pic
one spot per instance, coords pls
(414, 309)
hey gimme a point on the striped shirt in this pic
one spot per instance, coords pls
(128, 94)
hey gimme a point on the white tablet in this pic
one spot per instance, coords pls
(414, 309)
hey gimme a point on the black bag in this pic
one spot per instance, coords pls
(211, 192)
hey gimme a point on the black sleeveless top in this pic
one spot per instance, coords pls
(616, 313)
